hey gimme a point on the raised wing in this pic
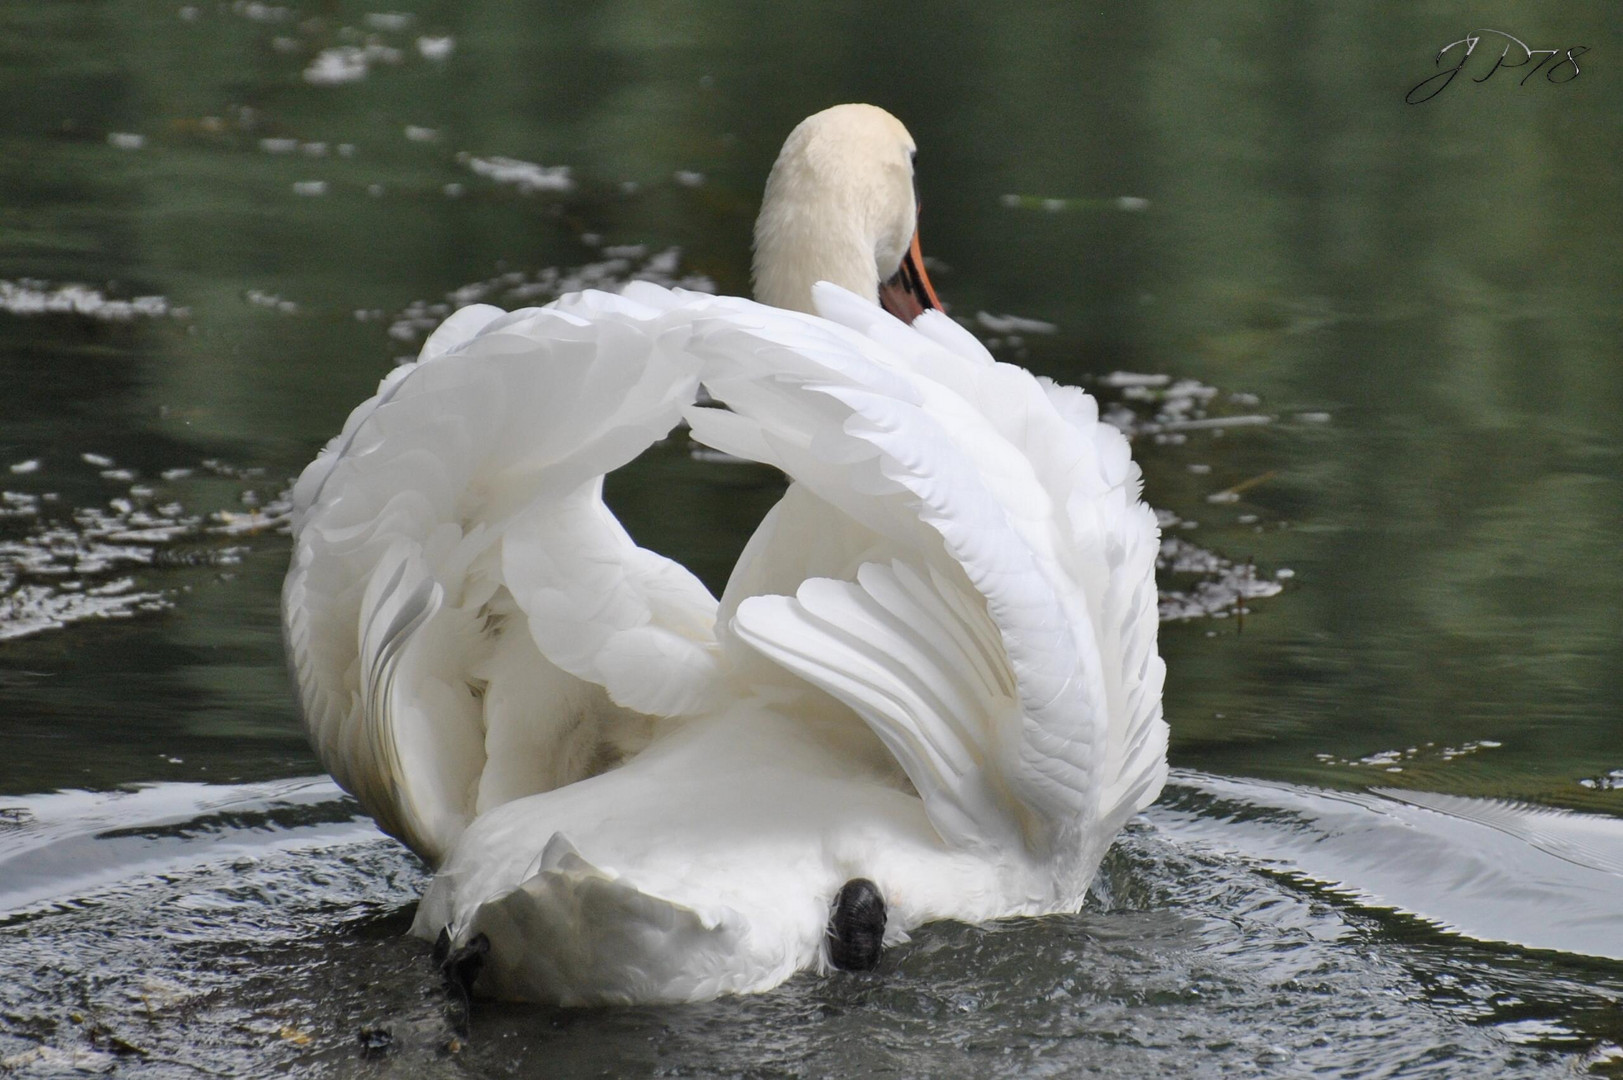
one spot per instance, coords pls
(962, 559)
(466, 621)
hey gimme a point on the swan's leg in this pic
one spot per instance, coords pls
(460, 967)
(856, 929)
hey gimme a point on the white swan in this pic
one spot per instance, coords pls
(934, 666)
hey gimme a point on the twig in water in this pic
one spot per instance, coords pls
(1242, 592)
(1244, 485)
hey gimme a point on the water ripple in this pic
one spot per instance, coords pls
(260, 928)
(1488, 869)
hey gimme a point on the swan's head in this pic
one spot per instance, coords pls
(840, 207)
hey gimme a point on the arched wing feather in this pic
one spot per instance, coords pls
(465, 620)
(997, 629)
(962, 560)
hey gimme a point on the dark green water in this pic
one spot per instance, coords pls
(1409, 314)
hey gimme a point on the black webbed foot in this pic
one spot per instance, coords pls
(460, 968)
(856, 929)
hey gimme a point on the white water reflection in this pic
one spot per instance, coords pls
(66, 846)
(1488, 869)
(33, 296)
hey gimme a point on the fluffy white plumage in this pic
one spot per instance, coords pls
(934, 665)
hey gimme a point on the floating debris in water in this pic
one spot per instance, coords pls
(1232, 494)
(261, 12)
(527, 176)
(1612, 781)
(414, 133)
(1009, 331)
(310, 187)
(61, 565)
(348, 63)
(1134, 378)
(14, 504)
(125, 140)
(1013, 324)
(1052, 205)
(389, 20)
(1220, 587)
(1181, 406)
(31, 296)
(1394, 760)
(260, 298)
(687, 178)
(436, 48)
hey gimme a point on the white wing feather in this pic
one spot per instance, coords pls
(461, 507)
(990, 611)
(961, 559)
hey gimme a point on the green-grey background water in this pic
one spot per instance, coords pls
(1407, 314)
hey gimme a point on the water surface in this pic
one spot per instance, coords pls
(1367, 350)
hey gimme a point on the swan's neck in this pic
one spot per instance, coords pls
(798, 246)
(821, 223)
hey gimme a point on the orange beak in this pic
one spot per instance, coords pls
(909, 294)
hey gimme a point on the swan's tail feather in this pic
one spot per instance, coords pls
(573, 933)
